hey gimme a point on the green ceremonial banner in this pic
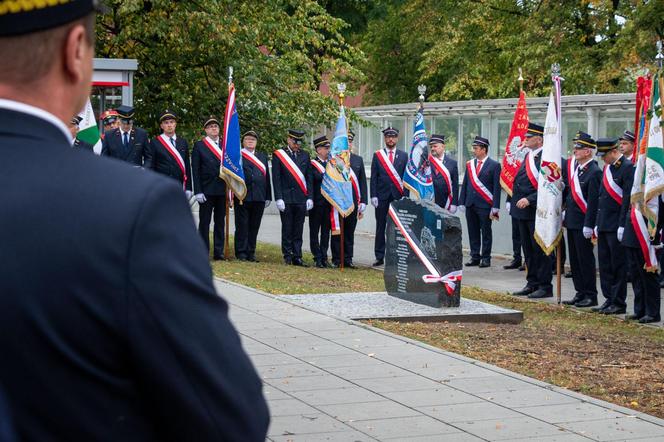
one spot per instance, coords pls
(653, 184)
(88, 130)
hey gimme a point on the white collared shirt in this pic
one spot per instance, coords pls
(35, 112)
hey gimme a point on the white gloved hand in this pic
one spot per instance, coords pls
(462, 209)
(374, 202)
(563, 216)
(453, 209)
(310, 204)
(188, 194)
(495, 211)
(507, 207)
(587, 232)
(620, 233)
(281, 205)
(200, 198)
(362, 208)
(267, 203)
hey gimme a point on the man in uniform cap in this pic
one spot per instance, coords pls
(627, 140)
(116, 331)
(522, 210)
(387, 168)
(73, 130)
(613, 207)
(350, 222)
(109, 121)
(126, 142)
(249, 214)
(168, 154)
(293, 194)
(445, 175)
(319, 215)
(209, 188)
(582, 179)
(480, 200)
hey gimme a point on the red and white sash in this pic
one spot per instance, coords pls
(531, 169)
(389, 168)
(641, 230)
(450, 280)
(293, 169)
(335, 225)
(319, 167)
(477, 184)
(575, 186)
(163, 139)
(611, 186)
(253, 159)
(356, 184)
(440, 167)
(214, 147)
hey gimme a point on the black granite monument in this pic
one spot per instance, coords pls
(434, 235)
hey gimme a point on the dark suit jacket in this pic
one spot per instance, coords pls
(441, 191)
(205, 171)
(381, 184)
(285, 186)
(113, 147)
(590, 179)
(317, 179)
(160, 160)
(78, 144)
(523, 188)
(259, 187)
(357, 164)
(116, 331)
(629, 236)
(610, 214)
(490, 177)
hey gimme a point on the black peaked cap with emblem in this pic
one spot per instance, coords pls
(605, 145)
(390, 132)
(250, 133)
(295, 134)
(583, 140)
(480, 141)
(628, 135)
(28, 16)
(321, 142)
(437, 139)
(211, 120)
(535, 130)
(351, 135)
(76, 120)
(168, 115)
(125, 112)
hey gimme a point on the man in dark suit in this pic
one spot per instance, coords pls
(209, 188)
(168, 154)
(582, 178)
(445, 175)
(249, 214)
(126, 142)
(611, 212)
(319, 215)
(350, 222)
(73, 130)
(522, 210)
(293, 193)
(116, 332)
(480, 199)
(387, 168)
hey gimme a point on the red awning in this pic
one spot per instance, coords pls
(110, 83)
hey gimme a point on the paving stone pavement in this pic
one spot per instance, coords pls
(330, 379)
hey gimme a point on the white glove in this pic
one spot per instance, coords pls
(374, 202)
(563, 216)
(462, 209)
(200, 198)
(281, 205)
(494, 211)
(587, 232)
(362, 208)
(267, 203)
(310, 204)
(507, 207)
(620, 233)
(453, 209)
(188, 194)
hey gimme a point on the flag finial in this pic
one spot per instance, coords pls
(230, 74)
(341, 88)
(659, 57)
(555, 70)
(520, 79)
(421, 89)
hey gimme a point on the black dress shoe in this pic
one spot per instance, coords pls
(522, 267)
(606, 304)
(379, 262)
(288, 261)
(649, 319)
(472, 263)
(298, 262)
(515, 264)
(485, 263)
(525, 291)
(541, 293)
(613, 310)
(578, 297)
(319, 265)
(633, 317)
(350, 265)
(252, 259)
(219, 258)
(586, 302)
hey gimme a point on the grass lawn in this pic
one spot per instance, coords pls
(604, 357)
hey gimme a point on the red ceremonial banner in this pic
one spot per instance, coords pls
(514, 151)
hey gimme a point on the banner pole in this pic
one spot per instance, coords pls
(558, 279)
(341, 242)
(227, 252)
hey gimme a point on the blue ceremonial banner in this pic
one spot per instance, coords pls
(418, 170)
(336, 186)
(231, 165)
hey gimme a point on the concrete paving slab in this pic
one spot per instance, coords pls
(341, 436)
(571, 412)
(626, 428)
(509, 428)
(337, 396)
(397, 383)
(361, 411)
(455, 437)
(305, 383)
(530, 397)
(403, 427)
(441, 395)
(304, 424)
(288, 370)
(290, 407)
(475, 411)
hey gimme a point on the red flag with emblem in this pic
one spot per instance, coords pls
(514, 150)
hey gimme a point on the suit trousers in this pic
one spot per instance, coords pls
(647, 297)
(582, 262)
(516, 239)
(319, 231)
(538, 265)
(479, 232)
(350, 222)
(381, 225)
(214, 204)
(292, 225)
(612, 268)
(248, 216)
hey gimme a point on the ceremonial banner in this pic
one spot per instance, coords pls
(418, 177)
(514, 150)
(336, 186)
(88, 130)
(231, 166)
(653, 185)
(548, 216)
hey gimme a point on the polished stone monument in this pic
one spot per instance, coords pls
(423, 242)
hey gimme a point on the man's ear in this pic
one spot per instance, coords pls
(76, 52)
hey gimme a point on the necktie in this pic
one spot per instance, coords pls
(173, 141)
(478, 167)
(391, 156)
(125, 141)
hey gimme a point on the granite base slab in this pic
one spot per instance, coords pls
(380, 305)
